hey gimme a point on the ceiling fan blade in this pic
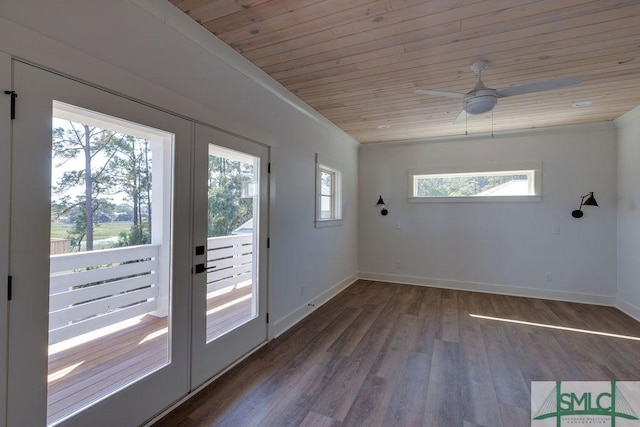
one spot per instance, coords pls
(461, 118)
(538, 86)
(439, 93)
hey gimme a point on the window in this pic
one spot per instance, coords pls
(479, 183)
(328, 193)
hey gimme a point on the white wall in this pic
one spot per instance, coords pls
(628, 127)
(497, 247)
(159, 56)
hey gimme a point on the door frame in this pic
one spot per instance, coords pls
(5, 215)
(126, 405)
(204, 367)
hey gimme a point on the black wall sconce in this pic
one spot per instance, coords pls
(590, 201)
(380, 205)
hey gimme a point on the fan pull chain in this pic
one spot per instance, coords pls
(491, 123)
(466, 118)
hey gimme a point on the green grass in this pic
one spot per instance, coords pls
(100, 231)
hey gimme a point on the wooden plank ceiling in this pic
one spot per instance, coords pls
(358, 62)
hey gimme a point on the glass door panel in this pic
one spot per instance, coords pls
(99, 256)
(233, 202)
(109, 285)
(230, 211)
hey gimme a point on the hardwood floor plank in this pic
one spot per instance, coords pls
(342, 390)
(449, 320)
(444, 387)
(596, 372)
(377, 293)
(530, 357)
(231, 390)
(514, 416)
(259, 402)
(300, 337)
(509, 383)
(591, 349)
(370, 404)
(390, 359)
(351, 337)
(561, 364)
(409, 300)
(182, 422)
(427, 330)
(410, 391)
(295, 404)
(480, 403)
(465, 321)
(314, 419)
(432, 296)
(481, 304)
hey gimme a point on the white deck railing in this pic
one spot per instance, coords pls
(92, 290)
(230, 260)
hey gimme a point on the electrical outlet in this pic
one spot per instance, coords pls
(555, 229)
(302, 289)
(548, 277)
(398, 265)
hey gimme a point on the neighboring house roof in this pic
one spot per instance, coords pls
(517, 187)
(246, 228)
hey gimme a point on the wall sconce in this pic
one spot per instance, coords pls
(591, 201)
(380, 205)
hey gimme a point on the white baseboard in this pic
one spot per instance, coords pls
(628, 308)
(493, 288)
(283, 324)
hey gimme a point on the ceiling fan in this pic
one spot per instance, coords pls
(482, 99)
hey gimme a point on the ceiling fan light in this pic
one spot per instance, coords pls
(480, 104)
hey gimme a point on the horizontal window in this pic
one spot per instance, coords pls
(501, 184)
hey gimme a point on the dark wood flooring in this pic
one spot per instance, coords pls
(381, 354)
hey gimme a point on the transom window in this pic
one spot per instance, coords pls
(476, 183)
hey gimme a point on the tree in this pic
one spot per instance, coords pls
(84, 143)
(228, 209)
(132, 172)
(462, 186)
(97, 164)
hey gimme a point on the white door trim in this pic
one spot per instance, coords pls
(5, 214)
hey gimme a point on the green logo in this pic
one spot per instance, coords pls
(586, 404)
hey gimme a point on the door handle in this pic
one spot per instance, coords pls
(200, 268)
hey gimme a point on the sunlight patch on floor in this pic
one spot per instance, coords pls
(98, 333)
(153, 335)
(229, 304)
(227, 289)
(62, 372)
(563, 328)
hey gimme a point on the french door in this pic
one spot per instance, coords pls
(229, 308)
(100, 256)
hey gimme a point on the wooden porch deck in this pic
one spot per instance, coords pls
(88, 371)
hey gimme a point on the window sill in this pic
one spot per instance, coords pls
(328, 223)
(487, 199)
